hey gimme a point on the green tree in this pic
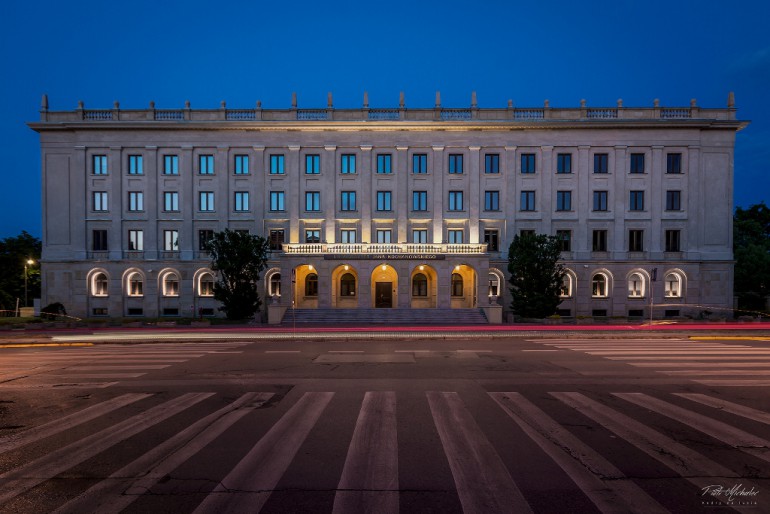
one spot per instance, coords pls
(536, 275)
(14, 254)
(751, 248)
(239, 257)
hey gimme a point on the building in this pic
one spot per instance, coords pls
(391, 208)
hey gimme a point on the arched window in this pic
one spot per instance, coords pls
(135, 285)
(599, 286)
(673, 285)
(635, 286)
(457, 284)
(206, 285)
(311, 285)
(420, 285)
(348, 285)
(494, 285)
(99, 285)
(171, 284)
(566, 286)
(275, 284)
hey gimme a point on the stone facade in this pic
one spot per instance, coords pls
(401, 208)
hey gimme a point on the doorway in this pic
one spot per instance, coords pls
(383, 295)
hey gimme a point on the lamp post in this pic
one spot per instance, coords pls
(653, 278)
(27, 264)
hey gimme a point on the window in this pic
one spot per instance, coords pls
(419, 200)
(241, 201)
(384, 163)
(420, 285)
(492, 240)
(206, 164)
(457, 284)
(672, 285)
(135, 285)
(673, 163)
(277, 201)
(566, 286)
(455, 163)
(528, 163)
(347, 285)
(494, 284)
(135, 165)
(599, 241)
(527, 201)
(99, 165)
(276, 239)
(312, 164)
(455, 236)
(171, 201)
(526, 233)
(420, 163)
(492, 163)
(311, 285)
(635, 286)
(348, 201)
(204, 236)
(599, 286)
(171, 240)
(100, 201)
(564, 163)
(348, 236)
(241, 164)
(276, 164)
(601, 161)
(171, 165)
(673, 200)
(636, 240)
(455, 200)
(348, 163)
(135, 201)
(99, 285)
(637, 163)
(206, 201)
(565, 240)
(99, 240)
(636, 201)
(673, 240)
(419, 235)
(312, 201)
(136, 240)
(383, 236)
(384, 200)
(563, 200)
(313, 235)
(171, 284)
(491, 200)
(600, 201)
(206, 285)
(275, 284)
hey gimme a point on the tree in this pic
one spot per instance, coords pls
(751, 248)
(536, 275)
(14, 254)
(239, 257)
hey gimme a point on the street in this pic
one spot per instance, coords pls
(552, 424)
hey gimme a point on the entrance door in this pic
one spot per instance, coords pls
(383, 292)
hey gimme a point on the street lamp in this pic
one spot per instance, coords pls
(27, 264)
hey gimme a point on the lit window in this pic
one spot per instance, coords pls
(494, 285)
(566, 286)
(99, 285)
(635, 286)
(673, 285)
(135, 285)
(599, 286)
(171, 240)
(171, 284)
(275, 284)
(136, 240)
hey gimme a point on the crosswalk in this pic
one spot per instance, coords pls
(100, 367)
(706, 362)
(596, 446)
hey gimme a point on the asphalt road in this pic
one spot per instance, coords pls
(655, 424)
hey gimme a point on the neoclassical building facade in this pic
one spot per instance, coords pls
(388, 208)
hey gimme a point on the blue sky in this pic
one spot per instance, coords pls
(171, 51)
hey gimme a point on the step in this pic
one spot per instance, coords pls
(385, 316)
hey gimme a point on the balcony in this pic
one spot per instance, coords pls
(362, 249)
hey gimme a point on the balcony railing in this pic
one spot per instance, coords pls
(97, 115)
(382, 248)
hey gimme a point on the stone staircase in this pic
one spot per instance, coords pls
(393, 317)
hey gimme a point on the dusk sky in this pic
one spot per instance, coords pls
(171, 51)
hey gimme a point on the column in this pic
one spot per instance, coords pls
(401, 201)
(365, 202)
(474, 193)
(438, 193)
(292, 192)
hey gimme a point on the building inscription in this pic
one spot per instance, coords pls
(385, 257)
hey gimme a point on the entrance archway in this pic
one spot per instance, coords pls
(345, 287)
(384, 287)
(463, 286)
(422, 287)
